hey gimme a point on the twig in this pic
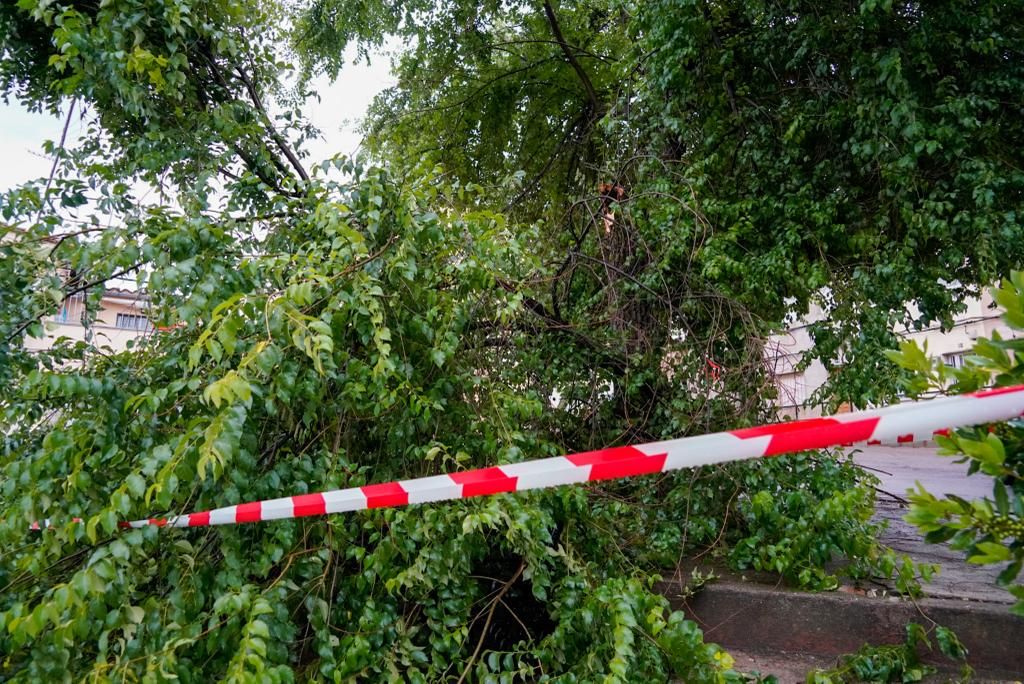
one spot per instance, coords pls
(278, 140)
(575, 48)
(516, 618)
(872, 468)
(56, 159)
(252, 163)
(487, 622)
(896, 497)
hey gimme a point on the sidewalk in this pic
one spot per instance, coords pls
(899, 468)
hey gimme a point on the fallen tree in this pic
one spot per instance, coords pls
(337, 323)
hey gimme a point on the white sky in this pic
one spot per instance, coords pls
(341, 105)
(21, 138)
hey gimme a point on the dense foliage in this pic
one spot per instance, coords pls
(562, 281)
(806, 510)
(767, 151)
(989, 530)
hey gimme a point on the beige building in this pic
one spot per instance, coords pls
(981, 318)
(122, 314)
(122, 317)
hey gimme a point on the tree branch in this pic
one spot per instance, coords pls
(490, 616)
(552, 158)
(606, 357)
(251, 162)
(278, 139)
(56, 159)
(575, 48)
(556, 30)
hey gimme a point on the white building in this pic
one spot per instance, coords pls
(981, 318)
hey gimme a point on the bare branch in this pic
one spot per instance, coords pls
(556, 30)
(56, 160)
(490, 616)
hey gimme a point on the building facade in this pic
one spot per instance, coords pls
(981, 318)
(122, 316)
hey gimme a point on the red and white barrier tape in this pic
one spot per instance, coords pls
(900, 423)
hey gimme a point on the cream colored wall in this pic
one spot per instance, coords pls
(981, 319)
(105, 332)
(783, 353)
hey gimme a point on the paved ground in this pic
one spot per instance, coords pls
(792, 668)
(899, 468)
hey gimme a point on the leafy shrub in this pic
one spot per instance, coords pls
(896, 663)
(346, 355)
(805, 511)
(323, 333)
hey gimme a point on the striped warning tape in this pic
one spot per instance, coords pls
(900, 423)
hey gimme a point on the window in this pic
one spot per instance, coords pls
(65, 315)
(792, 389)
(132, 322)
(954, 360)
(71, 310)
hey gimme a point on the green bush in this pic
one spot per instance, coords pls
(895, 663)
(805, 511)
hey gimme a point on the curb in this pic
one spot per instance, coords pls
(758, 618)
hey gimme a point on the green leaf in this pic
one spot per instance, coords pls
(991, 552)
(136, 485)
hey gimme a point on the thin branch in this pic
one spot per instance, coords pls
(629, 276)
(575, 48)
(896, 497)
(233, 176)
(487, 623)
(606, 357)
(74, 291)
(516, 618)
(60, 237)
(480, 89)
(556, 30)
(251, 162)
(552, 158)
(56, 160)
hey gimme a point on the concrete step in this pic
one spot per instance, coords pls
(788, 668)
(773, 625)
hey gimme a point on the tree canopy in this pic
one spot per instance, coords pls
(776, 153)
(569, 217)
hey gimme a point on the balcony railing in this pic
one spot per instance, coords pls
(71, 311)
